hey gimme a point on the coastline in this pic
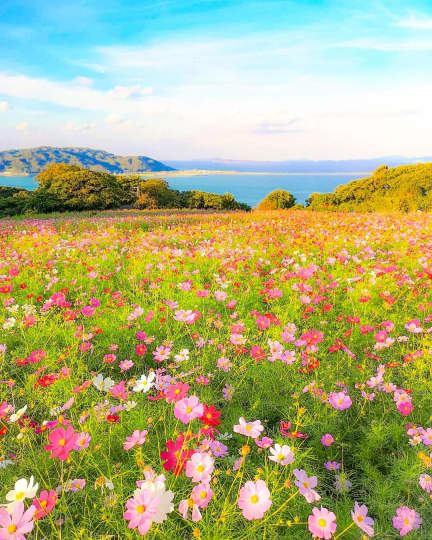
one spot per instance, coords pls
(199, 172)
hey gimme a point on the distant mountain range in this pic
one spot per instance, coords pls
(297, 166)
(34, 160)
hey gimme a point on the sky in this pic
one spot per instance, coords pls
(188, 79)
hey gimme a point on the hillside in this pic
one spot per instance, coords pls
(34, 160)
(402, 189)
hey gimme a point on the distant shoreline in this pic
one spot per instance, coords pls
(198, 172)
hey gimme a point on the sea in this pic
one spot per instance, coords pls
(247, 188)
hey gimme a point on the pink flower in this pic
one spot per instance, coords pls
(254, 499)
(176, 392)
(62, 442)
(427, 437)
(405, 407)
(265, 442)
(141, 509)
(361, 519)
(340, 400)
(425, 482)
(188, 408)
(44, 503)
(202, 494)
(249, 429)
(327, 440)
(306, 484)
(184, 506)
(137, 438)
(88, 311)
(83, 441)
(199, 467)
(322, 523)
(406, 520)
(14, 526)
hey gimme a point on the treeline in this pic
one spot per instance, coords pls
(399, 189)
(63, 187)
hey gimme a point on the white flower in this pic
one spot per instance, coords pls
(165, 505)
(9, 323)
(129, 405)
(16, 416)
(281, 454)
(22, 490)
(104, 385)
(5, 463)
(182, 355)
(143, 384)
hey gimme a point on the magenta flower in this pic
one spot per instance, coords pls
(406, 520)
(15, 525)
(327, 440)
(361, 519)
(322, 523)
(340, 400)
(188, 408)
(62, 442)
(44, 503)
(254, 499)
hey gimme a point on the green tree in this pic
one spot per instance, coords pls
(80, 189)
(277, 200)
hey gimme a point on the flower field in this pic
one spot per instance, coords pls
(224, 376)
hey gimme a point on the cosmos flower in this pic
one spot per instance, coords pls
(322, 523)
(254, 499)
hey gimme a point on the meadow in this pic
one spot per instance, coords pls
(223, 376)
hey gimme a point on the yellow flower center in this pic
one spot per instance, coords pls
(360, 519)
(203, 494)
(19, 496)
(43, 503)
(12, 528)
(188, 409)
(62, 442)
(280, 457)
(306, 484)
(322, 522)
(254, 499)
(200, 468)
(140, 509)
(406, 521)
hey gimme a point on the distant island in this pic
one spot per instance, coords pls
(31, 161)
(407, 188)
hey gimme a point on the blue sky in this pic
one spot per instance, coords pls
(269, 79)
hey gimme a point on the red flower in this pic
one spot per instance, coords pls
(113, 418)
(210, 416)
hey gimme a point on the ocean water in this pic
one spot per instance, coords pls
(247, 188)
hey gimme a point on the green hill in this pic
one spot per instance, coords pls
(34, 160)
(402, 189)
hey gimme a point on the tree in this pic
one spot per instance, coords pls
(279, 199)
(80, 189)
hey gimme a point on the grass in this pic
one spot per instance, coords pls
(333, 274)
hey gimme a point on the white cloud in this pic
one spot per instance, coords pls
(418, 23)
(78, 95)
(22, 126)
(129, 92)
(411, 45)
(3, 106)
(80, 128)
